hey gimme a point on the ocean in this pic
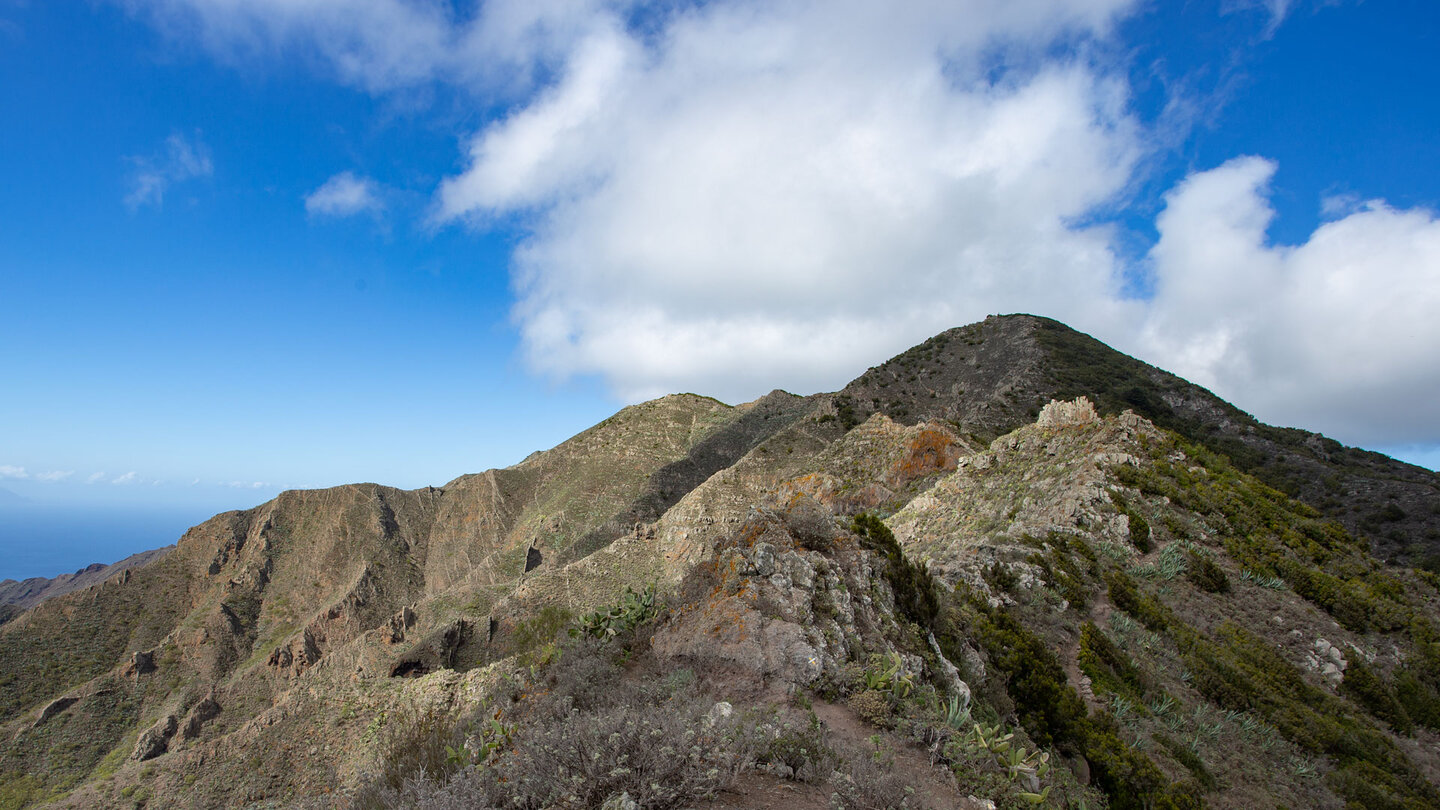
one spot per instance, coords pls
(46, 540)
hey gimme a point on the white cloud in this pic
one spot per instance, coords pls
(180, 160)
(21, 474)
(95, 478)
(344, 195)
(247, 485)
(738, 195)
(128, 478)
(766, 195)
(1338, 334)
(382, 45)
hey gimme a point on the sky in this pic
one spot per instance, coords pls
(251, 245)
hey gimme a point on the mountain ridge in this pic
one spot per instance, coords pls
(263, 655)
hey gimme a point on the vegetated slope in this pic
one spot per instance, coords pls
(209, 643)
(277, 652)
(1087, 610)
(991, 377)
(29, 592)
(1124, 584)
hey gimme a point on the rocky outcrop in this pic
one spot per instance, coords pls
(296, 656)
(155, 740)
(53, 708)
(200, 714)
(1058, 414)
(772, 608)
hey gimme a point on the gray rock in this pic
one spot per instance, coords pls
(155, 740)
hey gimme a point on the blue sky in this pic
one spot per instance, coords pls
(246, 246)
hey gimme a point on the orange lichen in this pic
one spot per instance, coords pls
(932, 450)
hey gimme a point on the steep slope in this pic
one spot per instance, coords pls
(353, 581)
(1167, 630)
(1256, 652)
(991, 377)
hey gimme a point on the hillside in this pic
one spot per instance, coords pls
(991, 377)
(29, 592)
(878, 585)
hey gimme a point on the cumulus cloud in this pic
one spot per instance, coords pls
(344, 195)
(128, 478)
(11, 471)
(52, 476)
(764, 194)
(1337, 334)
(735, 195)
(180, 159)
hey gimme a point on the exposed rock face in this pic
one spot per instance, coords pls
(141, 663)
(1058, 414)
(200, 714)
(53, 708)
(155, 740)
(773, 608)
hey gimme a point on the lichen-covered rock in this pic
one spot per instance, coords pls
(1058, 414)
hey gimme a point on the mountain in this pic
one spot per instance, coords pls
(954, 583)
(991, 377)
(31, 591)
(8, 498)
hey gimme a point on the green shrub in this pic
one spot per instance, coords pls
(1369, 690)
(1206, 574)
(1126, 595)
(1188, 758)
(915, 595)
(1138, 525)
(1110, 670)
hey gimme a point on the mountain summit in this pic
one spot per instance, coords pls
(1012, 565)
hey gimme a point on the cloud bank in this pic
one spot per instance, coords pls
(732, 196)
(1338, 333)
(767, 194)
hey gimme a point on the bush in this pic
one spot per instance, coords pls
(580, 735)
(1109, 669)
(1370, 691)
(800, 746)
(1191, 760)
(1126, 595)
(414, 744)
(865, 784)
(872, 706)
(914, 589)
(1206, 574)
